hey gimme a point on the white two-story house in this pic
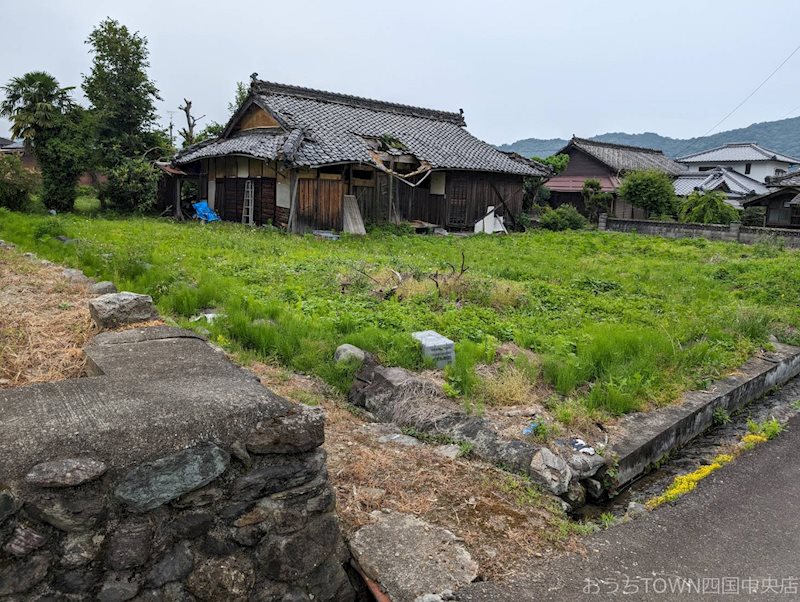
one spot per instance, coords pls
(747, 158)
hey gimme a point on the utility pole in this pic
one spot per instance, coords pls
(171, 137)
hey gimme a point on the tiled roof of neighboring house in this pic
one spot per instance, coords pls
(713, 179)
(334, 128)
(735, 185)
(790, 179)
(5, 142)
(739, 151)
(622, 158)
(575, 183)
(12, 147)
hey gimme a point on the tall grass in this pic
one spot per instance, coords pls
(623, 366)
(620, 321)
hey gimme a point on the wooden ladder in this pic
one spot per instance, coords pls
(247, 207)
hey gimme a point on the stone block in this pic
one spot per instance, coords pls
(409, 557)
(347, 352)
(300, 430)
(550, 470)
(118, 309)
(66, 472)
(436, 347)
(103, 288)
(152, 484)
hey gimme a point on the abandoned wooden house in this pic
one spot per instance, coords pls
(782, 202)
(304, 158)
(607, 163)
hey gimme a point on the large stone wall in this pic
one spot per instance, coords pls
(170, 474)
(733, 233)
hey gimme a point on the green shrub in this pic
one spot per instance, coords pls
(707, 208)
(16, 183)
(566, 217)
(650, 190)
(49, 228)
(754, 216)
(131, 187)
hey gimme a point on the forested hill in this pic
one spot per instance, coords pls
(782, 136)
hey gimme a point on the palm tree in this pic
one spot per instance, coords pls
(33, 103)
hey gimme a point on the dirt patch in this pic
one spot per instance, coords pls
(501, 518)
(44, 322)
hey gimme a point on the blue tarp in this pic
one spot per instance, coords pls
(204, 212)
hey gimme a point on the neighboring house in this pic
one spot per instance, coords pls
(782, 202)
(748, 158)
(298, 152)
(18, 148)
(607, 163)
(737, 187)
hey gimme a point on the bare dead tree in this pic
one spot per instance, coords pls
(187, 133)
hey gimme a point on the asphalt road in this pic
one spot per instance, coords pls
(737, 536)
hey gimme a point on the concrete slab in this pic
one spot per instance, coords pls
(144, 397)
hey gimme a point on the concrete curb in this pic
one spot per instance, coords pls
(646, 438)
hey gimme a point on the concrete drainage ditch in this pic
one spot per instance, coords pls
(636, 445)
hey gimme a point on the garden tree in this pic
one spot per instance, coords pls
(557, 163)
(187, 133)
(594, 199)
(212, 130)
(132, 186)
(650, 190)
(63, 155)
(754, 216)
(241, 94)
(534, 192)
(58, 132)
(16, 182)
(707, 208)
(34, 102)
(121, 92)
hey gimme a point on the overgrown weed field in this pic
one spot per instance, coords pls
(611, 323)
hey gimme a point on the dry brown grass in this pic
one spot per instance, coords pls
(506, 294)
(44, 322)
(502, 520)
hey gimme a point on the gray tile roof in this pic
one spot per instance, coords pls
(622, 158)
(739, 151)
(738, 185)
(791, 179)
(334, 128)
(259, 144)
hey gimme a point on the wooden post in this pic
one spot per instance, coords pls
(294, 179)
(178, 213)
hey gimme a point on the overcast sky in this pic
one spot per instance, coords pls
(518, 69)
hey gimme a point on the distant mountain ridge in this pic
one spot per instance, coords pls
(782, 136)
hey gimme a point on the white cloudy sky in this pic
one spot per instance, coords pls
(518, 68)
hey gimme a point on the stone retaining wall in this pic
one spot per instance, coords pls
(732, 233)
(169, 475)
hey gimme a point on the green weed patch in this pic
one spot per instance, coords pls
(621, 322)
